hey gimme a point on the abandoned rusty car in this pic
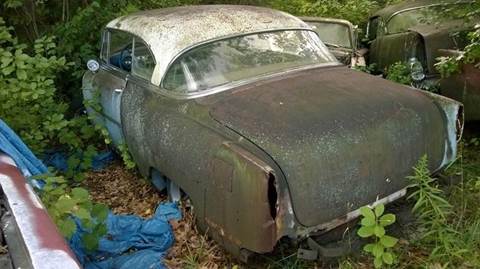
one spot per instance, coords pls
(247, 112)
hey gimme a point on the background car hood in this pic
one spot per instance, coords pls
(445, 35)
(341, 137)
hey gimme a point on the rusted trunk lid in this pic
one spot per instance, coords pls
(342, 138)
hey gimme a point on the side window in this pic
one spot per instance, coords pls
(373, 28)
(143, 62)
(120, 50)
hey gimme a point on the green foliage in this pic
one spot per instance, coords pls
(29, 100)
(64, 204)
(399, 72)
(355, 11)
(31, 105)
(432, 210)
(126, 157)
(373, 223)
(369, 69)
(448, 66)
(446, 231)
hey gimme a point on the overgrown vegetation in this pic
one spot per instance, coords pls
(42, 59)
(448, 66)
(31, 105)
(448, 224)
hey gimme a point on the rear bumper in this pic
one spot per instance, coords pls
(32, 238)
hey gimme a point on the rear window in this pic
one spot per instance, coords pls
(243, 57)
(333, 34)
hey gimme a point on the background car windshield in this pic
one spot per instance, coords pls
(426, 15)
(244, 57)
(335, 34)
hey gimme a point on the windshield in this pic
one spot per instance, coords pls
(426, 15)
(333, 34)
(244, 57)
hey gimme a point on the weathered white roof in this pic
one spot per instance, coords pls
(169, 31)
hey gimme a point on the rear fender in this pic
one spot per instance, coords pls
(241, 203)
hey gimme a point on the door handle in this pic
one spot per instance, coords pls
(118, 90)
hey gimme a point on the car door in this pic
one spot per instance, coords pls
(108, 83)
(374, 38)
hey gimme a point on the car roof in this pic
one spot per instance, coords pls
(389, 11)
(170, 31)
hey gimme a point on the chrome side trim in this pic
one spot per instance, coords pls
(306, 231)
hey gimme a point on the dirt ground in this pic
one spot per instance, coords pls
(126, 192)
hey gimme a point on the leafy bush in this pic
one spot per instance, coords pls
(373, 225)
(399, 72)
(29, 100)
(65, 204)
(30, 104)
(448, 66)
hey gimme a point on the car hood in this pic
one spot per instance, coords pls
(342, 138)
(446, 35)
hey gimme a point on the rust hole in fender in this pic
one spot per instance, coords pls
(272, 195)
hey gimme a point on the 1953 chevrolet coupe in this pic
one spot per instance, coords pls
(247, 111)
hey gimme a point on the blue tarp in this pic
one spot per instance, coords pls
(58, 160)
(131, 242)
(13, 146)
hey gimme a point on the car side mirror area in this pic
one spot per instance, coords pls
(93, 65)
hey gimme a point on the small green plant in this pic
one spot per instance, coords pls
(126, 156)
(373, 225)
(369, 69)
(433, 212)
(399, 72)
(65, 204)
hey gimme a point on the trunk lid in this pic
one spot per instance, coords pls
(342, 138)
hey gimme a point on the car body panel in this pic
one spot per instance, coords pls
(248, 151)
(336, 135)
(425, 42)
(433, 37)
(464, 86)
(109, 84)
(33, 239)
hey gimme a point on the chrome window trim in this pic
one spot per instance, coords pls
(349, 25)
(238, 83)
(228, 85)
(106, 64)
